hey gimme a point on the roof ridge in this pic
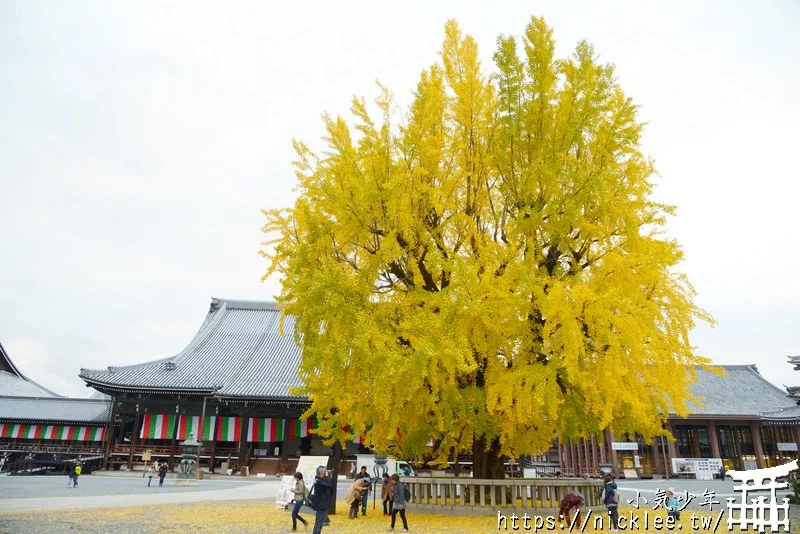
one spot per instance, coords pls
(235, 304)
(60, 399)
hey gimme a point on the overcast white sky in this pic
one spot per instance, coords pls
(139, 140)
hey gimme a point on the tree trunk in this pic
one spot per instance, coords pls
(486, 461)
(333, 463)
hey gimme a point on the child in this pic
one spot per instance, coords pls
(672, 505)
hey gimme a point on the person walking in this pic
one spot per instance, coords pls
(320, 497)
(611, 500)
(399, 499)
(386, 494)
(78, 470)
(162, 474)
(73, 478)
(299, 490)
(151, 472)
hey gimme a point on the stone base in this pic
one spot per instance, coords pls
(186, 482)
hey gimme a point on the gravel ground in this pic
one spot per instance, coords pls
(90, 485)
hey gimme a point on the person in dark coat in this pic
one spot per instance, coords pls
(387, 494)
(399, 504)
(322, 488)
(162, 474)
(609, 491)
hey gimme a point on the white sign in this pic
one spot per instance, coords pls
(789, 447)
(624, 446)
(636, 461)
(529, 472)
(701, 468)
(285, 494)
(307, 465)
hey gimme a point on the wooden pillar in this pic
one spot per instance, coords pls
(611, 438)
(137, 423)
(172, 443)
(212, 460)
(713, 437)
(244, 446)
(110, 433)
(755, 431)
(576, 455)
(560, 457)
(673, 452)
(602, 445)
(594, 455)
(587, 457)
(201, 427)
(656, 459)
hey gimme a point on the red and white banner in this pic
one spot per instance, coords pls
(158, 426)
(55, 432)
(229, 429)
(190, 424)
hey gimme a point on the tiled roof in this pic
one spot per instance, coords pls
(238, 352)
(20, 387)
(12, 382)
(743, 392)
(55, 410)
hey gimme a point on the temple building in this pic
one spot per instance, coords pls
(233, 388)
(39, 428)
(744, 420)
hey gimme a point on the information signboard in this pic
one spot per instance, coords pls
(307, 465)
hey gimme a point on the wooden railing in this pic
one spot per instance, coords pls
(459, 495)
(160, 450)
(50, 448)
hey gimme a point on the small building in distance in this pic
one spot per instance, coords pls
(745, 422)
(38, 426)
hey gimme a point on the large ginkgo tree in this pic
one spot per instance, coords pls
(487, 269)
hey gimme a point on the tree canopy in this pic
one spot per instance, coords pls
(487, 268)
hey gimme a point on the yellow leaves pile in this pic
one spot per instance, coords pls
(245, 517)
(489, 263)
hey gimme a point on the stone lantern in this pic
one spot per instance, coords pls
(187, 468)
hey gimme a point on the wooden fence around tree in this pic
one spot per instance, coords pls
(464, 495)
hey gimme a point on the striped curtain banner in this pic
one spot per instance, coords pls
(190, 424)
(31, 432)
(4, 429)
(90, 433)
(300, 428)
(265, 430)
(229, 429)
(158, 426)
(50, 432)
(65, 433)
